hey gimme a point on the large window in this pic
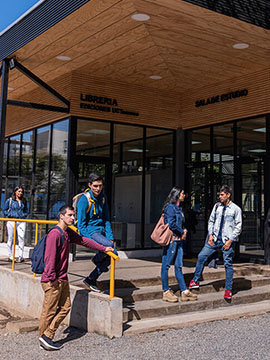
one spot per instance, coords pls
(127, 185)
(233, 154)
(158, 177)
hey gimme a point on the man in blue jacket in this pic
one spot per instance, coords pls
(94, 222)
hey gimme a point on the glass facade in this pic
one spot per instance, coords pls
(135, 161)
(233, 154)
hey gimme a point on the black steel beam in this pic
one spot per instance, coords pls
(3, 114)
(39, 82)
(31, 105)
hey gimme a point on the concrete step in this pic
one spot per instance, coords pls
(240, 270)
(131, 295)
(194, 318)
(156, 308)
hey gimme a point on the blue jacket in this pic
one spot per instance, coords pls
(173, 215)
(15, 209)
(97, 220)
(232, 225)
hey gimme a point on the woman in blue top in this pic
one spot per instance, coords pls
(16, 207)
(173, 253)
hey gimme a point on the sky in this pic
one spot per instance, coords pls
(12, 9)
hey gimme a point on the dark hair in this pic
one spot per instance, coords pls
(13, 196)
(63, 209)
(173, 196)
(95, 177)
(226, 189)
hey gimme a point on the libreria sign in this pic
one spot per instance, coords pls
(223, 97)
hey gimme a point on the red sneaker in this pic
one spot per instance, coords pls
(227, 294)
(193, 285)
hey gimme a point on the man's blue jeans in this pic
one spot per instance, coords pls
(173, 253)
(206, 252)
(101, 259)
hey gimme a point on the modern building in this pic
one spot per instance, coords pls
(150, 93)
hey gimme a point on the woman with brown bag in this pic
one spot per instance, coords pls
(173, 253)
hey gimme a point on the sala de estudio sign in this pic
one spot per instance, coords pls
(222, 97)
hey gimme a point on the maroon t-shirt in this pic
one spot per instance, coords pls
(56, 257)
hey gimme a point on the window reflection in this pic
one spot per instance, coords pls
(58, 168)
(41, 173)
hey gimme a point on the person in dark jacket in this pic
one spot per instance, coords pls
(16, 207)
(173, 253)
(54, 280)
(94, 222)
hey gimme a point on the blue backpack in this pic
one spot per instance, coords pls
(39, 252)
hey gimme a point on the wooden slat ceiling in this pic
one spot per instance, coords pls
(189, 46)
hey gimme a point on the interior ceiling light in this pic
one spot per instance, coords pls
(257, 150)
(155, 77)
(63, 58)
(240, 46)
(194, 142)
(10, 88)
(140, 17)
(97, 131)
(263, 130)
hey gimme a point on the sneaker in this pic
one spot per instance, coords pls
(10, 260)
(227, 294)
(21, 259)
(49, 344)
(193, 285)
(169, 296)
(189, 296)
(92, 284)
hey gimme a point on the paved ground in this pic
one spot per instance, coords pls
(243, 339)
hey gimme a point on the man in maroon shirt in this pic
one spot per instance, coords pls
(54, 279)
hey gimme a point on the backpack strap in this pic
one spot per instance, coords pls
(87, 194)
(62, 234)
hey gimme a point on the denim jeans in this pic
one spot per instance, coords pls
(101, 259)
(206, 252)
(173, 253)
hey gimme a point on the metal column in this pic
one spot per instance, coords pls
(3, 114)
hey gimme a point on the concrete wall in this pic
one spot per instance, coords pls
(92, 312)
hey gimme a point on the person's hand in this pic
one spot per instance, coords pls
(227, 245)
(108, 248)
(54, 283)
(211, 240)
(184, 236)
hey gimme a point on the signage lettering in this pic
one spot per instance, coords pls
(105, 104)
(222, 97)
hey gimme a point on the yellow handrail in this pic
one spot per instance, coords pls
(54, 222)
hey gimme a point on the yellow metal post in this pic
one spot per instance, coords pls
(36, 239)
(112, 277)
(14, 244)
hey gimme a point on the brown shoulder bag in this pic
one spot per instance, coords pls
(162, 234)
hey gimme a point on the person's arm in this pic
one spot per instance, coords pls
(89, 243)
(107, 221)
(238, 224)
(171, 218)
(82, 208)
(25, 209)
(52, 243)
(211, 221)
(6, 208)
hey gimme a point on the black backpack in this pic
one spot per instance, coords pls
(39, 252)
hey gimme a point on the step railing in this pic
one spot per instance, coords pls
(38, 233)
